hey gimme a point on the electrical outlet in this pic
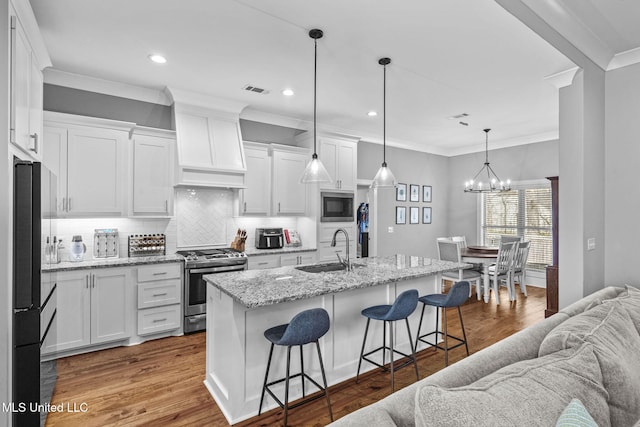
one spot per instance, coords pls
(591, 243)
(390, 229)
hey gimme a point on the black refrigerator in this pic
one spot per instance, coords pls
(32, 192)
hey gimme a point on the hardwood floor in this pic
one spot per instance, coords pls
(160, 382)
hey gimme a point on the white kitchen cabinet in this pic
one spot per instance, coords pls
(261, 262)
(256, 197)
(297, 259)
(339, 158)
(289, 195)
(326, 252)
(28, 58)
(93, 307)
(159, 298)
(90, 158)
(152, 156)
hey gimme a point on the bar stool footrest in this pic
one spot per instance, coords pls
(438, 346)
(302, 402)
(385, 368)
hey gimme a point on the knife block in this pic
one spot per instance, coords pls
(238, 244)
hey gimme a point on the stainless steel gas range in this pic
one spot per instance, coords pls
(200, 262)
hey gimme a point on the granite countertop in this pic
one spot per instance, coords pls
(250, 251)
(111, 262)
(257, 288)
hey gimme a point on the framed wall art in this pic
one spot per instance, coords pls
(401, 215)
(414, 215)
(401, 193)
(426, 193)
(414, 193)
(426, 215)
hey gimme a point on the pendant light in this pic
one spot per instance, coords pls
(384, 178)
(315, 171)
(490, 184)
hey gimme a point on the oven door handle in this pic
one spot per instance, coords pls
(209, 270)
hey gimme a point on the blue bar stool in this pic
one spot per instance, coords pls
(402, 307)
(457, 295)
(306, 327)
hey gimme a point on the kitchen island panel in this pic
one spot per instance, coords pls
(237, 351)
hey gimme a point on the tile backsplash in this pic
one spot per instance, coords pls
(65, 229)
(204, 218)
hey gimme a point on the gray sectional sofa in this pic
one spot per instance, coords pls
(590, 351)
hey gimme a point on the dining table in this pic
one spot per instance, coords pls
(485, 255)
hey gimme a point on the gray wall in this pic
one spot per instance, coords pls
(409, 167)
(521, 163)
(622, 194)
(454, 212)
(75, 101)
(267, 133)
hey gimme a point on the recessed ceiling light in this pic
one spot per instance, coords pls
(158, 59)
(287, 92)
(372, 113)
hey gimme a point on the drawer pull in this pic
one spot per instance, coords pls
(160, 274)
(160, 295)
(160, 320)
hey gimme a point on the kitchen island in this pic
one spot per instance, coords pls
(242, 305)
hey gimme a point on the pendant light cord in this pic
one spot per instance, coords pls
(384, 115)
(486, 146)
(315, 79)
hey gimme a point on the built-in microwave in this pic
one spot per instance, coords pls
(336, 207)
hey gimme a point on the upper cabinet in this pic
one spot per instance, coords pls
(89, 156)
(28, 58)
(289, 195)
(256, 197)
(152, 158)
(209, 141)
(339, 155)
(272, 181)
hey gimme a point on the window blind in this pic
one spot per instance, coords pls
(524, 211)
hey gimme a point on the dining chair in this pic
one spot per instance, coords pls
(508, 238)
(520, 267)
(449, 250)
(502, 269)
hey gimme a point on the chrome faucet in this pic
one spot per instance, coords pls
(346, 262)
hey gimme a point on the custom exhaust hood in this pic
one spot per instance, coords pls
(209, 142)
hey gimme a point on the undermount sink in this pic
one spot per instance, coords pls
(321, 268)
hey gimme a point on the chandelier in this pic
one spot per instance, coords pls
(486, 180)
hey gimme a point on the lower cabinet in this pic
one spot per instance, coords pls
(306, 258)
(113, 304)
(259, 262)
(159, 298)
(92, 308)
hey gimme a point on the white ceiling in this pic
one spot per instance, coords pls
(448, 57)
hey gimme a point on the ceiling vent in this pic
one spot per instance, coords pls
(255, 89)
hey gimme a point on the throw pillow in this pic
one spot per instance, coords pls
(575, 415)
(616, 343)
(529, 392)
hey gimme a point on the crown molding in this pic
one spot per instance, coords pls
(623, 59)
(106, 87)
(563, 78)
